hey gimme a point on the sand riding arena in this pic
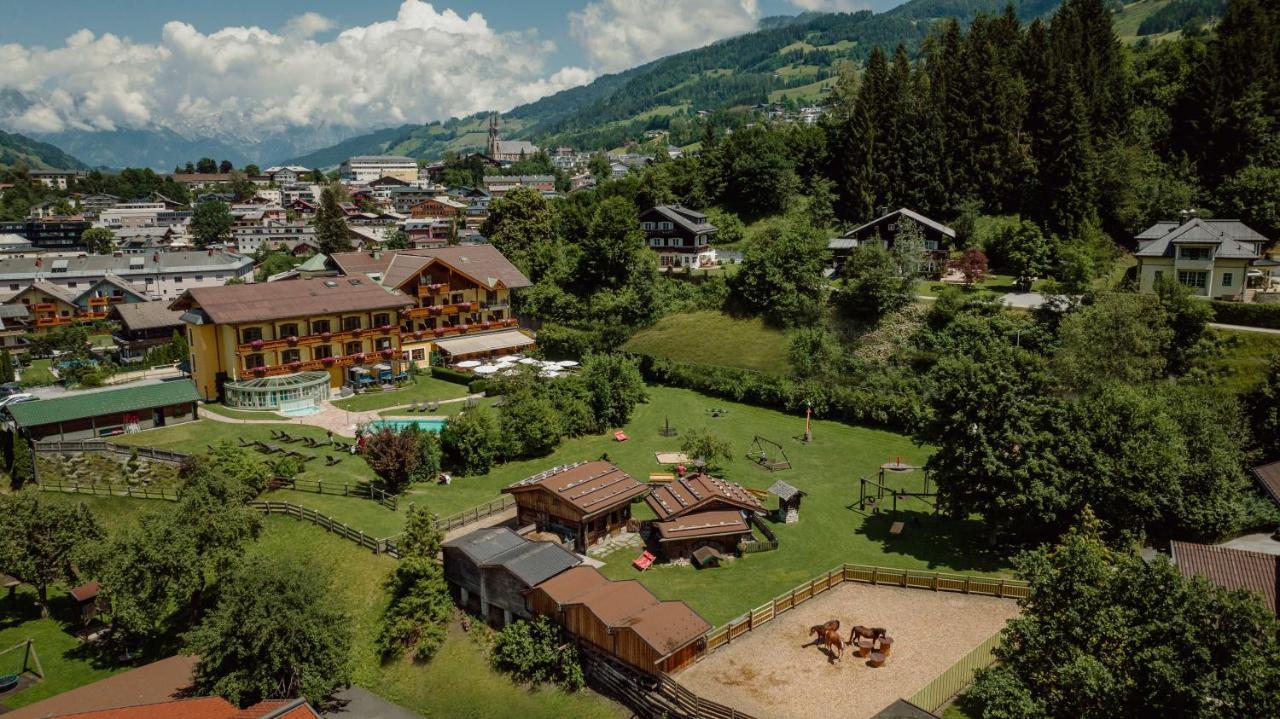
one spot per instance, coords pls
(775, 671)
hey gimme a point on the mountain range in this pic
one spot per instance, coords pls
(19, 149)
(791, 59)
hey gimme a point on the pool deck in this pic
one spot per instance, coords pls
(339, 421)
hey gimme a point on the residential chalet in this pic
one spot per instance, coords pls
(1212, 257)
(938, 238)
(143, 326)
(584, 502)
(701, 511)
(680, 236)
(490, 571)
(51, 305)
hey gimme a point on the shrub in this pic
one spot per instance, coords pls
(452, 375)
(471, 441)
(535, 652)
(1247, 314)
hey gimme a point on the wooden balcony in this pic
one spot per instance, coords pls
(99, 301)
(322, 338)
(45, 307)
(52, 321)
(322, 364)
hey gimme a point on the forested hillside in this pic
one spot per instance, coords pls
(789, 60)
(18, 149)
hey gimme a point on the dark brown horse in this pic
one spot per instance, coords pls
(872, 633)
(828, 637)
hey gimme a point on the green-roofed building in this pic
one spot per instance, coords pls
(106, 412)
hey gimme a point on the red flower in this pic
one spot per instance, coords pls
(256, 344)
(329, 360)
(326, 336)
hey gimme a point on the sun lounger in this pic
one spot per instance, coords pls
(331, 460)
(433, 406)
(620, 436)
(245, 443)
(644, 561)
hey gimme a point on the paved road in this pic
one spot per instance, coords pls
(1255, 543)
(357, 703)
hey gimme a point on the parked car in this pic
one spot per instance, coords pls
(9, 388)
(15, 398)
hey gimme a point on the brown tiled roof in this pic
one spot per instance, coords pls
(1230, 568)
(146, 315)
(702, 524)
(667, 626)
(160, 681)
(688, 494)
(85, 592)
(265, 301)
(572, 583)
(203, 708)
(483, 263)
(1268, 475)
(590, 487)
(613, 602)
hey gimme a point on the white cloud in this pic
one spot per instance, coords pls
(422, 65)
(618, 34)
(832, 5)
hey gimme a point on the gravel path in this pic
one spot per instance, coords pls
(775, 672)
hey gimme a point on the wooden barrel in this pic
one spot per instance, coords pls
(864, 647)
(886, 645)
(877, 659)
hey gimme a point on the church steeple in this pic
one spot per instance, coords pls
(493, 136)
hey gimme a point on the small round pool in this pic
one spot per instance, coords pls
(398, 424)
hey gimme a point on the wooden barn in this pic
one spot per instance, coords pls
(700, 493)
(587, 501)
(721, 530)
(549, 598)
(489, 571)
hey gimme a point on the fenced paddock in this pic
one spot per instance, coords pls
(764, 664)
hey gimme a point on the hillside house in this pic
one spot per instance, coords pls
(585, 502)
(938, 238)
(680, 236)
(1212, 257)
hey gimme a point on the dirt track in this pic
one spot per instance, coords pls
(775, 673)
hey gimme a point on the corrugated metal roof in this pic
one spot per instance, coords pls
(485, 544)
(101, 402)
(572, 583)
(535, 562)
(667, 626)
(1230, 568)
(687, 494)
(701, 525)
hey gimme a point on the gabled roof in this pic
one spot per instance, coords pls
(667, 626)
(139, 293)
(97, 403)
(690, 494)
(784, 491)
(690, 220)
(534, 562)
(904, 212)
(1234, 239)
(614, 602)
(1229, 568)
(701, 525)
(265, 301)
(1268, 475)
(484, 264)
(50, 289)
(146, 315)
(204, 708)
(484, 544)
(572, 583)
(589, 487)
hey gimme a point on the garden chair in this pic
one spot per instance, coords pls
(331, 460)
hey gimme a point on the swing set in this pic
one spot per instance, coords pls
(871, 492)
(30, 664)
(768, 454)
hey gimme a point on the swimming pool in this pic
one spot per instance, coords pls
(424, 425)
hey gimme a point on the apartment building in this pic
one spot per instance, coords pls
(160, 275)
(367, 168)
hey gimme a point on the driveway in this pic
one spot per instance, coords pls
(357, 703)
(1262, 543)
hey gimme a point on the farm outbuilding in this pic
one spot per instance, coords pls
(106, 412)
(723, 530)
(489, 571)
(548, 598)
(788, 501)
(700, 493)
(585, 502)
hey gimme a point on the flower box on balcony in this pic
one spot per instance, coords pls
(256, 344)
(463, 329)
(292, 339)
(295, 366)
(328, 361)
(388, 352)
(485, 325)
(358, 357)
(386, 329)
(356, 331)
(438, 332)
(435, 309)
(326, 336)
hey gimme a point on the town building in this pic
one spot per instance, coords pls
(15, 322)
(95, 203)
(11, 244)
(431, 233)
(286, 175)
(1211, 257)
(438, 207)
(106, 412)
(506, 151)
(57, 179)
(49, 233)
(160, 275)
(286, 345)
(491, 570)
(275, 235)
(680, 236)
(367, 168)
(143, 326)
(136, 240)
(51, 305)
(499, 185)
(462, 296)
(1231, 569)
(585, 503)
(143, 214)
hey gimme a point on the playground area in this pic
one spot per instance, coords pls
(777, 671)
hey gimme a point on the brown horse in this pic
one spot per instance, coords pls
(828, 638)
(872, 633)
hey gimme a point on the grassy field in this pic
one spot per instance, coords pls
(714, 338)
(423, 389)
(996, 284)
(65, 661)
(435, 689)
(37, 374)
(1243, 362)
(1127, 22)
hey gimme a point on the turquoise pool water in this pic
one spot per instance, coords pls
(424, 425)
(302, 411)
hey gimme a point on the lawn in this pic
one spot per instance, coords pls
(998, 284)
(65, 661)
(424, 389)
(37, 374)
(1243, 362)
(714, 338)
(458, 682)
(250, 414)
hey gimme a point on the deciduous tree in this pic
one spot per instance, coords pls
(41, 542)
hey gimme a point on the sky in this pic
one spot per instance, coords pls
(252, 66)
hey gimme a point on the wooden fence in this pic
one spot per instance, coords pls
(374, 544)
(910, 578)
(475, 514)
(109, 490)
(694, 706)
(649, 696)
(947, 685)
(363, 490)
(753, 546)
(94, 445)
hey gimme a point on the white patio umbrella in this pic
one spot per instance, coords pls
(487, 369)
(469, 364)
(530, 361)
(567, 363)
(507, 359)
(548, 373)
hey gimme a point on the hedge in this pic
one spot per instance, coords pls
(895, 410)
(452, 375)
(1247, 314)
